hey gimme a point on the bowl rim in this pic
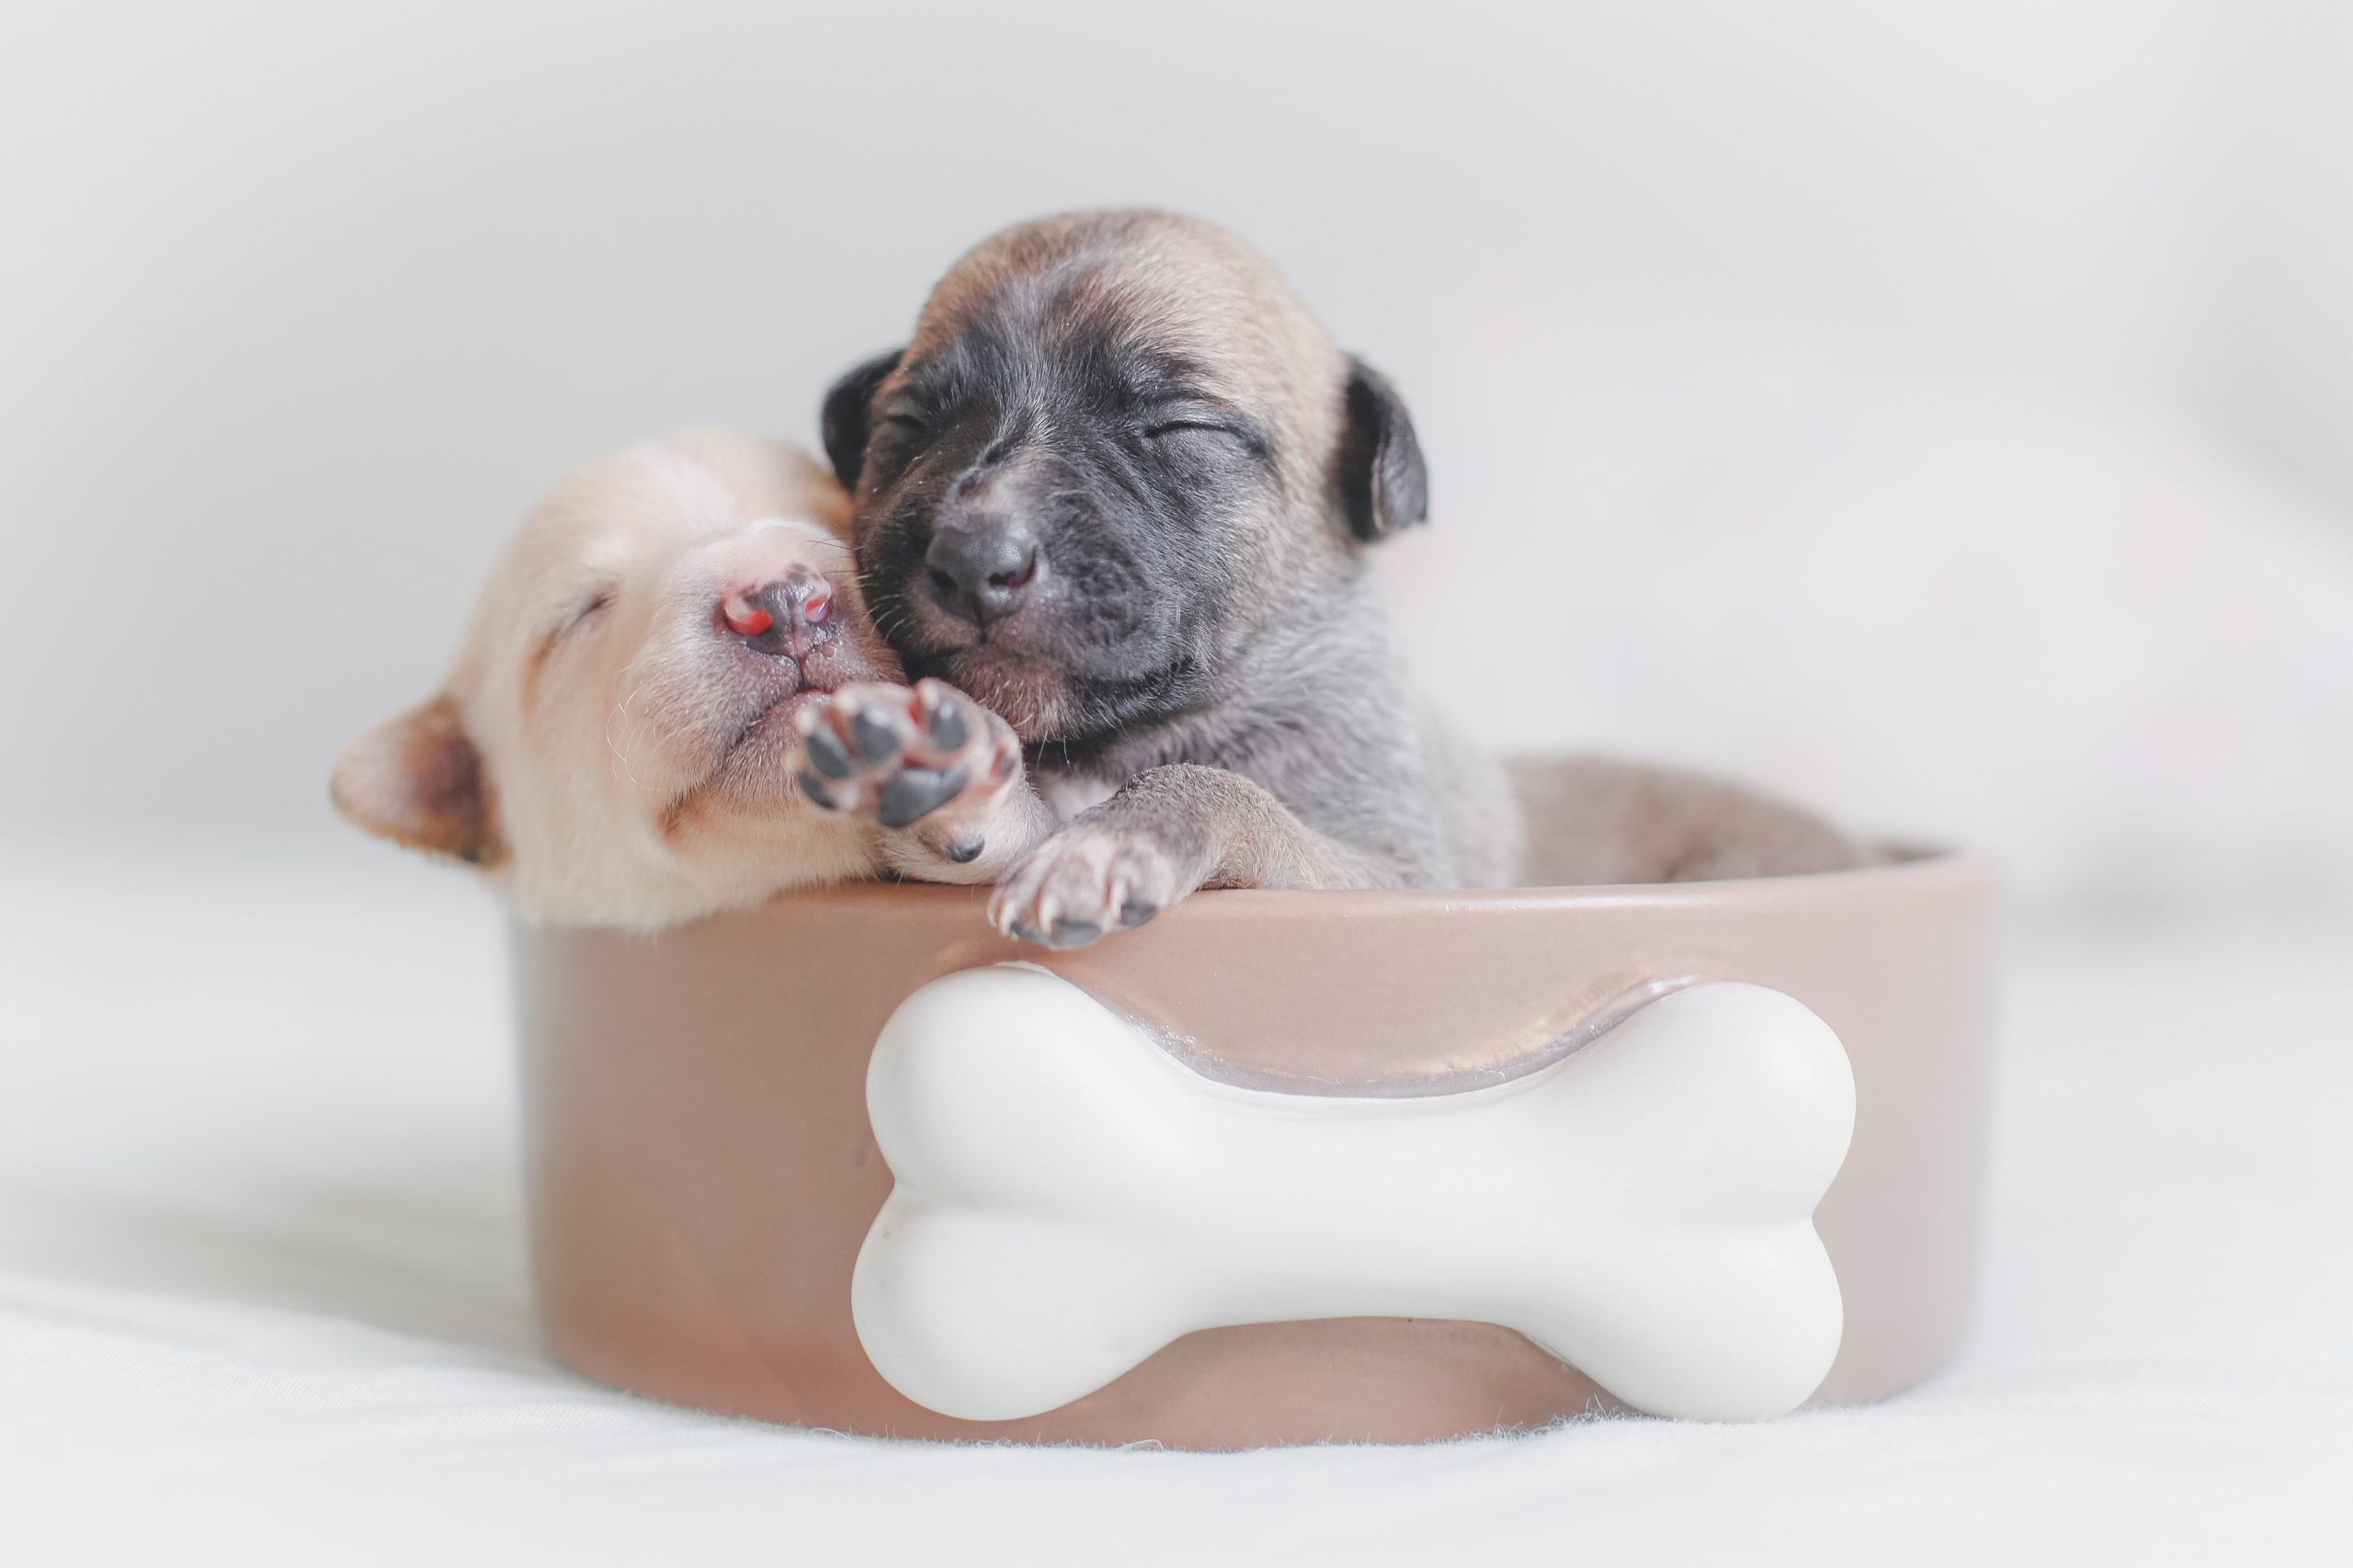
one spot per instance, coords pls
(1916, 868)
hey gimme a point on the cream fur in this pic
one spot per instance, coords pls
(602, 734)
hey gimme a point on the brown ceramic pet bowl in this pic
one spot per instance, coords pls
(703, 1174)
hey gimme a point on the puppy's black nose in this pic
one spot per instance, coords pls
(792, 615)
(980, 572)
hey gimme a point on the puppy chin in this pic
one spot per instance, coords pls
(1030, 693)
(754, 774)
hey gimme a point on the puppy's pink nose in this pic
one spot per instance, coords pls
(792, 615)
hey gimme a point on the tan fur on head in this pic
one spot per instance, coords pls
(1201, 290)
(1033, 399)
(603, 748)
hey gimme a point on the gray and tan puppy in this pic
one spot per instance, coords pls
(1119, 487)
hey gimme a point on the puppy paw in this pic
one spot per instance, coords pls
(900, 755)
(1086, 881)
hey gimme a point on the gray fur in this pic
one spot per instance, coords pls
(1202, 636)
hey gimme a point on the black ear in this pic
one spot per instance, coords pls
(1383, 485)
(846, 416)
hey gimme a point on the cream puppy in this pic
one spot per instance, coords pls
(610, 745)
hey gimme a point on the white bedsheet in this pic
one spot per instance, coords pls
(263, 1298)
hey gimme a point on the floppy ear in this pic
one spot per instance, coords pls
(846, 416)
(1383, 485)
(417, 780)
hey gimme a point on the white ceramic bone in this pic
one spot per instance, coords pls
(1070, 1198)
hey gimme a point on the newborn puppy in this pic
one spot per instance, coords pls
(1120, 487)
(610, 745)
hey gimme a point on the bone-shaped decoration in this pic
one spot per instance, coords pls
(1070, 1198)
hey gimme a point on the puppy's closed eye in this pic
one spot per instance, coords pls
(585, 609)
(902, 435)
(576, 615)
(904, 430)
(1234, 432)
(906, 411)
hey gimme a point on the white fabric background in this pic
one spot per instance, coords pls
(1940, 410)
(262, 1295)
